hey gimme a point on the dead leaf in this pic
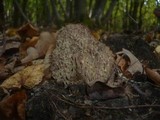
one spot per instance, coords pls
(135, 65)
(11, 64)
(27, 30)
(153, 75)
(122, 62)
(3, 71)
(101, 91)
(8, 44)
(149, 36)
(47, 58)
(28, 77)
(46, 39)
(13, 107)
(97, 34)
(2, 47)
(11, 32)
(28, 43)
(157, 49)
(12, 45)
(32, 54)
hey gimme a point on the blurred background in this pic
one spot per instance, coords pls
(111, 15)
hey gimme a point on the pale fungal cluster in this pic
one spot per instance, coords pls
(79, 58)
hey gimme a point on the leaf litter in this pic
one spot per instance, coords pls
(73, 100)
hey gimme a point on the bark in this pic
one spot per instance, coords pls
(15, 15)
(90, 5)
(98, 9)
(140, 14)
(18, 12)
(48, 14)
(80, 9)
(133, 14)
(110, 9)
(24, 8)
(62, 7)
(1, 15)
(125, 17)
(56, 15)
(69, 12)
(115, 22)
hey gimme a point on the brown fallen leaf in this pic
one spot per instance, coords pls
(32, 54)
(9, 45)
(97, 34)
(157, 51)
(28, 43)
(11, 32)
(149, 36)
(27, 30)
(45, 40)
(153, 75)
(12, 45)
(13, 107)
(3, 70)
(135, 65)
(39, 50)
(101, 91)
(28, 77)
(11, 64)
(123, 62)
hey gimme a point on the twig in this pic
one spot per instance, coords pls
(109, 108)
(53, 103)
(59, 111)
(138, 89)
(127, 107)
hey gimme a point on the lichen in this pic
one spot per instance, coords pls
(79, 58)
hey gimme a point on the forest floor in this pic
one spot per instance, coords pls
(47, 99)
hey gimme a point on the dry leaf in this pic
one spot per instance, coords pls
(12, 45)
(153, 75)
(27, 30)
(3, 72)
(10, 66)
(28, 43)
(45, 40)
(47, 58)
(13, 107)
(122, 62)
(97, 34)
(11, 32)
(32, 54)
(7, 43)
(101, 91)
(135, 65)
(157, 49)
(39, 50)
(28, 77)
(149, 36)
